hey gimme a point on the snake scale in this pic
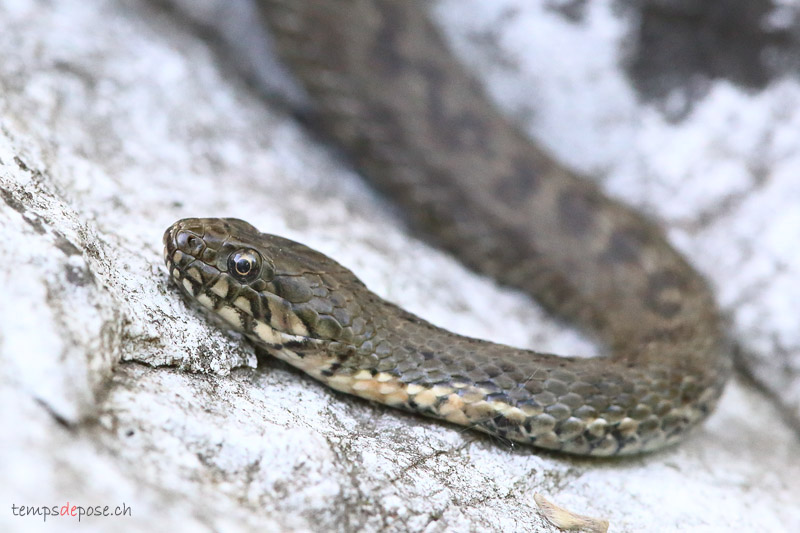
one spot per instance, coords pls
(386, 89)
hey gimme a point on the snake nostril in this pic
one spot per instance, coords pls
(190, 243)
(181, 239)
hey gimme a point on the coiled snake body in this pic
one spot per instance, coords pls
(386, 89)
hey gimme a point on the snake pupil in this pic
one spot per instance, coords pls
(244, 265)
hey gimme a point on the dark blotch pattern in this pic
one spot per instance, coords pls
(515, 188)
(576, 211)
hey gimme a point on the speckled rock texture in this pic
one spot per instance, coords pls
(118, 117)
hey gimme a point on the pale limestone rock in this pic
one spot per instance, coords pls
(117, 118)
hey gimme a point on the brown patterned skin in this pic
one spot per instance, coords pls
(386, 89)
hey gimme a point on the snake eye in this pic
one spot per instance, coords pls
(244, 265)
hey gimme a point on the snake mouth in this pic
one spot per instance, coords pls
(170, 245)
(184, 248)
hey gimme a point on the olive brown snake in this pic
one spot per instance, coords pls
(386, 90)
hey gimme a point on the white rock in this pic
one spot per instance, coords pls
(117, 118)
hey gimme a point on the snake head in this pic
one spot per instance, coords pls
(274, 290)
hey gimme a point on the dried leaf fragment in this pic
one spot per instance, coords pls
(567, 520)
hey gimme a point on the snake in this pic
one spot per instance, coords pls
(386, 91)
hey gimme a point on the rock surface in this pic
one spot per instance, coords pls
(119, 117)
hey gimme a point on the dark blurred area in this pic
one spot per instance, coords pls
(674, 52)
(684, 45)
